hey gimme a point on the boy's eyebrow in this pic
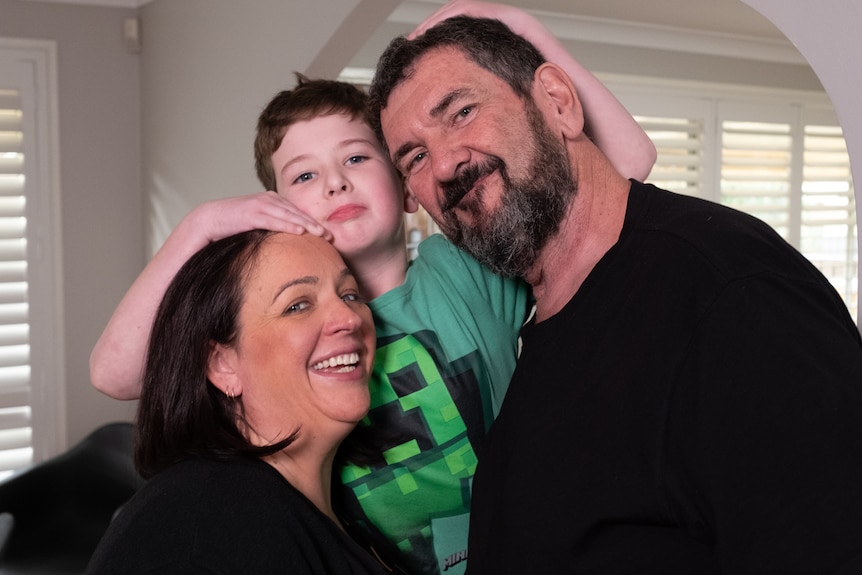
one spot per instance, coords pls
(356, 141)
(435, 113)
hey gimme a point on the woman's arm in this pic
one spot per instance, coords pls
(117, 360)
(611, 126)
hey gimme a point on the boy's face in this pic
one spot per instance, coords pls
(333, 168)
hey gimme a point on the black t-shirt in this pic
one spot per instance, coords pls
(231, 517)
(696, 408)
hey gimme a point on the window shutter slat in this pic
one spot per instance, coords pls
(11, 184)
(679, 147)
(828, 230)
(756, 164)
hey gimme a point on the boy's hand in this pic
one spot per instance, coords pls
(265, 210)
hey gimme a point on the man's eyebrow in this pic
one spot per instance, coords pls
(435, 113)
(445, 102)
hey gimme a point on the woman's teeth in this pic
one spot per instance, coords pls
(348, 362)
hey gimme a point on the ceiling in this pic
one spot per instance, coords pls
(718, 16)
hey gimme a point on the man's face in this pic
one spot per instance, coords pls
(482, 161)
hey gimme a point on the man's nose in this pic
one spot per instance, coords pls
(447, 157)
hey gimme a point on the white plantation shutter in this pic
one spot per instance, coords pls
(15, 421)
(680, 156)
(31, 356)
(828, 230)
(756, 164)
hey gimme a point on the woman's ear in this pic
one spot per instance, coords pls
(555, 93)
(221, 370)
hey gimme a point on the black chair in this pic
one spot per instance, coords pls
(55, 512)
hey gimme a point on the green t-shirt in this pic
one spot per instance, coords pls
(446, 348)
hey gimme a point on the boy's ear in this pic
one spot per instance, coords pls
(221, 370)
(411, 204)
(555, 94)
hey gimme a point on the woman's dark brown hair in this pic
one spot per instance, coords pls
(181, 415)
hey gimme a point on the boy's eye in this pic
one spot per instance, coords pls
(304, 177)
(356, 159)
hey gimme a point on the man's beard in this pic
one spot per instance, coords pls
(509, 239)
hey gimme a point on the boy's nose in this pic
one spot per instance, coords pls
(333, 190)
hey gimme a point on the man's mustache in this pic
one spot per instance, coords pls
(454, 190)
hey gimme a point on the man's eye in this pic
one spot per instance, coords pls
(416, 159)
(304, 177)
(465, 111)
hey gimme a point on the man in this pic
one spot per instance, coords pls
(689, 395)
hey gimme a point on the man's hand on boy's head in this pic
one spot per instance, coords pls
(264, 210)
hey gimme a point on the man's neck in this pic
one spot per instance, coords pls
(591, 227)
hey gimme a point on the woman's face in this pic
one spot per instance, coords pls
(306, 342)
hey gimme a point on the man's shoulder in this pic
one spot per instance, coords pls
(731, 240)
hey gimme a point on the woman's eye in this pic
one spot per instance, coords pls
(304, 177)
(351, 297)
(296, 307)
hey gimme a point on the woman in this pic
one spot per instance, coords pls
(257, 368)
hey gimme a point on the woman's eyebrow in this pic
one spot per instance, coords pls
(306, 280)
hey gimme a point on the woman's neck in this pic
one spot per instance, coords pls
(310, 473)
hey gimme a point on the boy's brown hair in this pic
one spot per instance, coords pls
(309, 99)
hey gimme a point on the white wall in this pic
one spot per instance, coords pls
(100, 167)
(208, 69)
(826, 33)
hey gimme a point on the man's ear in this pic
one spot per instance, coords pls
(555, 93)
(221, 370)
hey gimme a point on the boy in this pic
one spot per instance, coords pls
(446, 327)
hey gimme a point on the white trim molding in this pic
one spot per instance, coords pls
(636, 34)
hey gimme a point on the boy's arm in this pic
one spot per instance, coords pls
(611, 126)
(117, 360)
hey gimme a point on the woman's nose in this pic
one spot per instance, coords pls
(344, 317)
